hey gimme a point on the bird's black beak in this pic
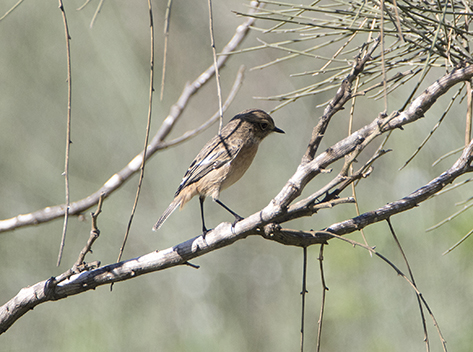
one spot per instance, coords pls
(278, 130)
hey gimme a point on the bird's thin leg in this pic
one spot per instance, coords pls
(237, 217)
(204, 229)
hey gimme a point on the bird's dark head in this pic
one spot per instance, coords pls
(262, 123)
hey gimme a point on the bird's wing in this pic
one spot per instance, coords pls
(214, 155)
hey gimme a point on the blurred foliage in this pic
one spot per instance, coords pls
(244, 297)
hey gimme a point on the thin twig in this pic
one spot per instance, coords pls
(148, 124)
(469, 112)
(432, 131)
(94, 234)
(400, 273)
(351, 169)
(68, 131)
(458, 243)
(451, 217)
(452, 187)
(446, 155)
(427, 63)
(80, 8)
(11, 9)
(167, 19)
(300, 12)
(383, 59)
(324, 293)
(424, 325)
(341, 97)
(303, 293)
(398, 21)
(217, 74)
(80, 265)
(97, 11)
(339, 50)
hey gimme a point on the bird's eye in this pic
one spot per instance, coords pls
(263, 125)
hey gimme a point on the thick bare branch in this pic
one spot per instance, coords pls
(222, 236)
(361, 138)
(263, 223)
(53, 289)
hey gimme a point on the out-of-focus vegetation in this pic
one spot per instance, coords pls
(245, 297)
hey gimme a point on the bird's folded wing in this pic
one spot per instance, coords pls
(211, 157)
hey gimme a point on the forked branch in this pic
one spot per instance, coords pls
(265, 222)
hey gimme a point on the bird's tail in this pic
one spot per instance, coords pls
(170, 209)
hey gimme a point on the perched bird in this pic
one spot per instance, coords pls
(222, 162)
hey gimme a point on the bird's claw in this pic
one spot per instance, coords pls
(237, 219)
(204, 232)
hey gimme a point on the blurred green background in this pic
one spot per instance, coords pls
(245, 297)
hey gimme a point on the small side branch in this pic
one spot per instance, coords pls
(68, 131)
(94, 234)
(303, 294)
(148, 124)
(343, 95)
(324, 293)
(217, 74)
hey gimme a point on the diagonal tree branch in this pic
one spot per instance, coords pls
(265, 222)
(222, 236)
(361, 138)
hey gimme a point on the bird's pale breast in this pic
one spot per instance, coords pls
(239, 165)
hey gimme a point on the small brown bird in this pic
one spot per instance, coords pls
(222, 162)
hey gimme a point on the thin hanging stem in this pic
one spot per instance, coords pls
(217, 74)
(324, 290)
(419, 302)
(303, 293)
(143, 161)
(68, 132)
(167, 19)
